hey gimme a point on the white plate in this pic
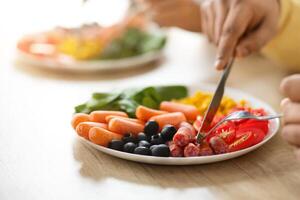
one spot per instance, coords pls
(236, 95)
(88, 66)
(72, 65)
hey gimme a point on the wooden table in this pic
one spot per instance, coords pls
(40, 157)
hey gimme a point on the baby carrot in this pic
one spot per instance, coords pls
(100, 115)
(78, 118)
(189, 111)
(109, 117)
(83, 128)
(123, 126)
(170, 118)
(102, 136)
(143, 113)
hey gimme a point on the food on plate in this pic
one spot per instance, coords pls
(102, 136)
(78, 118)
(174, 119)
(123, 126)
(128, 38)
(144, 113)
(191, 150)
(175, 150)
(100, 115)
(190, 112)
(83, 128)
(159, 121)
(182, 137)
(218, 145)
(151, 128)
(129, 147)
(129, 99)
(157, 139)
(201, 101)
(141, 150)
(161, 150)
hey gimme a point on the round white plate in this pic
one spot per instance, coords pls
(65, 63)
(236, 95)
(88, 66)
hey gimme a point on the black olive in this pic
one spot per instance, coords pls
(168, 132)
(116, 145)
(129, 147)
(151, 128)
(142, 151)
(153, 146)
(129, 138)
(157, 139)
(143, 136)
(161, 150)
(144, 143)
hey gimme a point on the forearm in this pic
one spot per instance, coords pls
(184, 14)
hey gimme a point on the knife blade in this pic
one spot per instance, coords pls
(214, 104)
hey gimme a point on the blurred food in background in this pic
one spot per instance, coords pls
(128, 38)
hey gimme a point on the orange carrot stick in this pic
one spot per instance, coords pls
(189, 111)
(123, 126)
(83, 128)
(78, 118)
(170, 118)
(102, 136)
(109, 117)
(143, 113)
(100, 115)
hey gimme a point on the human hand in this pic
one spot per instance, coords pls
(180, 13)
(290, 87)
(239, 27)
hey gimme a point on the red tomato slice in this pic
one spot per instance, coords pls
(262, 125)
(227, 132)
(244, 141)
(259, 136)
(257, 133)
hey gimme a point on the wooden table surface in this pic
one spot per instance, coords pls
(41, 158)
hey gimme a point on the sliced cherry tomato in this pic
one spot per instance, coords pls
(244, 141)
(262, 125)
(259, 136)
(257, 133)
(227, 132)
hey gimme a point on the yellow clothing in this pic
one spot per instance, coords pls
(284, 48)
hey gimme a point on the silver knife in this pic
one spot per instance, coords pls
(214, 104)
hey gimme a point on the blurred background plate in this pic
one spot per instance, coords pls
(67, 63)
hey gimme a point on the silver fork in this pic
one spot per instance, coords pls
(242, 115)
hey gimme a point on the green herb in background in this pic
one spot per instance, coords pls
(132, 43)
(128, 100)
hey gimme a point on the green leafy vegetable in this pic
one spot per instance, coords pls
(128, 100)
(133, 42)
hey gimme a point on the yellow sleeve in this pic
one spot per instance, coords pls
(284, 48)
